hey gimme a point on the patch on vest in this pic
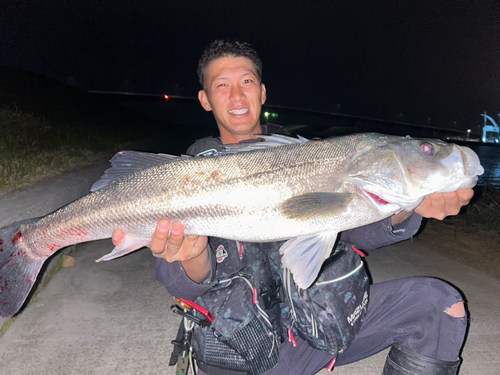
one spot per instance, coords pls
(221, 254)
(358, 310)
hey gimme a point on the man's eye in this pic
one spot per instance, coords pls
(248, 80)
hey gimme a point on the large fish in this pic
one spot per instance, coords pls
(305, 191)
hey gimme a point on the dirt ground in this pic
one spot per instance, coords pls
(477, 248)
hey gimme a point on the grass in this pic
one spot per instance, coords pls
(47, 127)
(485, 210)
(33, 148)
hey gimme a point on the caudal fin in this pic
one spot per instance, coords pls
(18, 269)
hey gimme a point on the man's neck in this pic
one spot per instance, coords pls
(229, 138)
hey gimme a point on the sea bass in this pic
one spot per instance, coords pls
(283, 188)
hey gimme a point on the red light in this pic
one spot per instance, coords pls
(166, 97)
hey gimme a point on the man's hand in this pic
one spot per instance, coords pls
(169, 243)
(440, 205)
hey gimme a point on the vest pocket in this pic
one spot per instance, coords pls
(329, 314)
(240, 337)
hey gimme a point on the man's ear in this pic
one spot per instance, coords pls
(263, 94)
(203, 98)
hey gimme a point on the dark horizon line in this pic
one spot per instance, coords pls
(154, 97)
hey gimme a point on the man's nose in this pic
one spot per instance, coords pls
(236, 94)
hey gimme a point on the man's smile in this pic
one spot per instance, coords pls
(238, 111)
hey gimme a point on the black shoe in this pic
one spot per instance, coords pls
(403, 361)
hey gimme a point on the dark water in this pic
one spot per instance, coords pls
(490, 160)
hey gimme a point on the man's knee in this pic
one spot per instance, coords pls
(438, 292)
(457, 310)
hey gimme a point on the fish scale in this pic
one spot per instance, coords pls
(303, 191)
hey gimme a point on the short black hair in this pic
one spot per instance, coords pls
(227, 48)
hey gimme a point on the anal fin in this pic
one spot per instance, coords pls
(128, 245)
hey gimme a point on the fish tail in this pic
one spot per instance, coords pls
(18, 269)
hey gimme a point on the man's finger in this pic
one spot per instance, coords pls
(160, 237)
(465, 195)
(118, 237)
(175, 240)
(437, 200)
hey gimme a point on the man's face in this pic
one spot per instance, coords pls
(235, 96)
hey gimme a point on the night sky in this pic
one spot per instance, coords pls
(437, 59)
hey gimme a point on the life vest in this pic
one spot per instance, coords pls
(256, 305)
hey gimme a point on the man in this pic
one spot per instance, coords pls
(423, 319)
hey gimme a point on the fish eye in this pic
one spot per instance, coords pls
(427, 148)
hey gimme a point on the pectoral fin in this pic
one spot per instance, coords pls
(304, 256)
(316, 205)
(128, 245)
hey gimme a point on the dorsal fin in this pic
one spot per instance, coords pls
(128, 162)
(269, 141)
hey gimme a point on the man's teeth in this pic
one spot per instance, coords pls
(238, 111)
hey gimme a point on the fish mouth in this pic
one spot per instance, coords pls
(472, 164)
(376, 198)
(240, 111)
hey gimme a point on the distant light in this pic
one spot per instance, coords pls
(266, 114)
(166, 97)
(468, 130)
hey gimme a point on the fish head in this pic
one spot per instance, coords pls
(403, 170)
